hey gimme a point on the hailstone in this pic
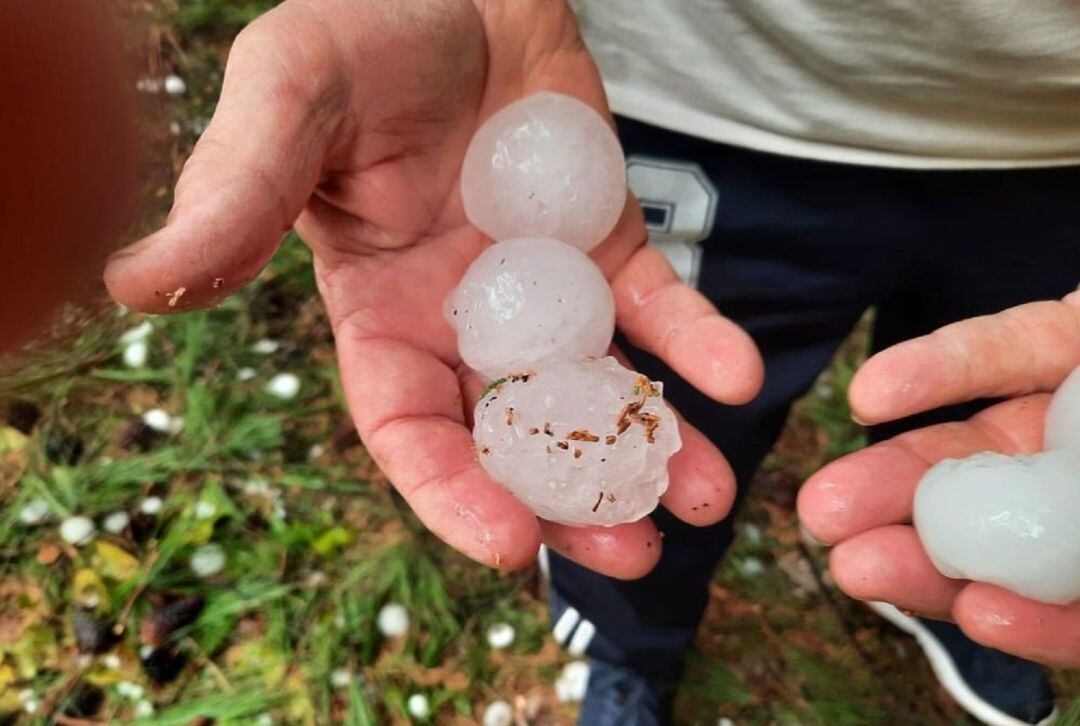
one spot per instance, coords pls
(526, 303)
(547, 165)
(1063, 416)
(1006, 520)
(582, 442)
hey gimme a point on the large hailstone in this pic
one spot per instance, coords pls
(1006, 520)
(1063, 416)
(545, 166)
(579, 442)
(527, 303)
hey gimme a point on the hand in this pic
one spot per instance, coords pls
(350, 119)
(863, 502)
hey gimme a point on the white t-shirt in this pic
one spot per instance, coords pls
(903, 83)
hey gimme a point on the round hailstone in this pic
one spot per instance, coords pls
(418, 706)
(158, 419)
(78, 531)
(127, 689)
(1006, 520)
(208, 560)
(151, 505)
(245, 374)
(265, 346)
(545, 166)
(499, 713)
(393, 620)
(174, 85)
(528, 302)
(140, 332)
(341, 678)
(752, 567)
(580, 443)
(1063, 416)
(572, 681)
(136, 353)
(205, 509)
(116, 522)
(501, 635)
(34, 512)
(284, 386)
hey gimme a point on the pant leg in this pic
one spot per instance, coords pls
(796, 252)
(1001, 239)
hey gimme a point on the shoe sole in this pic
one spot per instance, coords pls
(947, 673)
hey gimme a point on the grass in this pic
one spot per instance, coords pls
(316, 542)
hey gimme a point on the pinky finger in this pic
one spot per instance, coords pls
(1037, 631)
(625, 551)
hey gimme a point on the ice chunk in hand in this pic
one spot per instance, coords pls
(579, 442)
(545, 166)
(526, 303)
(1063, 416)
(1006, 520)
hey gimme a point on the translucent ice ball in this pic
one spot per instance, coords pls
(545, 166)
(1063, 416)
(579, 442)
(1006, 520)
(525, 303)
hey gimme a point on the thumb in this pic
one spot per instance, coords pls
(249, 177)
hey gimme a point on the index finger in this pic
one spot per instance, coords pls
(662, 315)
(1021, 350)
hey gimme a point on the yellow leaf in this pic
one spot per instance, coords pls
(9, 701)
(37, 650)
(12, 440)
(298, 703)
(333, 539)
(114, 562)
(89, 590)
(256, 659)
(101, 675)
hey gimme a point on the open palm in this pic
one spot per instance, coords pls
(863, 502)
(350, 120)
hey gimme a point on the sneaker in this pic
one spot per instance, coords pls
(996, 688)
(620, 697)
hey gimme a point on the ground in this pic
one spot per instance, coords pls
(314, 539)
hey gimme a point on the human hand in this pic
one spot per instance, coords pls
(862, 503)
(350, 119)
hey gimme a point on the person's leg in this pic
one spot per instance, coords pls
(1004, 238)
(793, 251)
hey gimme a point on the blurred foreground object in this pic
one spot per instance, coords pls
(66, 155)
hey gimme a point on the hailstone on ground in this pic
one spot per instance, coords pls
(1063, 416)
(525, 303)
(547, 165)
(1010, 521)
(579, 442)
(78, 531)
(393, 620)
